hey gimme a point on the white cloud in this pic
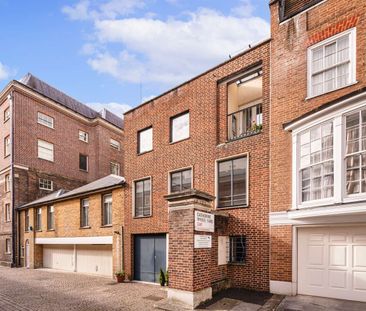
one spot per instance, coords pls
(152, 50)
(116, 108)
(5, 72)
(87, 9)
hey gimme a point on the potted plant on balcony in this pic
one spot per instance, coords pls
(120, 276)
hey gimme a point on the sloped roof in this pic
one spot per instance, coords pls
(65, 100)
(290, 8)
(106, 182)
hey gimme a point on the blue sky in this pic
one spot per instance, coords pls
(117, 53)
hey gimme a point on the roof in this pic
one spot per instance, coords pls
(201, 74)
(65, 100)
(110, 181)
(325, 106)
(290, 8)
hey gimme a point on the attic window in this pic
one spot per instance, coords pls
(290, 8)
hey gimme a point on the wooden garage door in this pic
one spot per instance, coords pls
(60, 257)
(94, 259)
(332, 262)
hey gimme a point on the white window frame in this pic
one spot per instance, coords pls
(107, 199)
(139, 151)
(49, 227)
(7, 186)
(7, 246)
(84, 223)
(338, 117)
(134, 197)
(7, 210)
(6, 114)
(117, 165)
(7, 146)
(38, 224)
(176, 117)
(188, 168)
(42, 182)
(45, 147)
(83, 136)
(352, 50)
(45, 120)
(87, 163)
(115, 144)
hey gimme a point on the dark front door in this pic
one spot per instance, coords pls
(150, 257)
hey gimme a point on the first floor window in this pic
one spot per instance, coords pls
(45, 150)
(83, 162)
(237, 249)
(115, 144)
(179, 127)
(7, 246)
(7, 146)
(83, 136)
(51, 217)
(232, 182)
(107, 209)
(7, 183)
(7, 212)
(316, 162)
(180, 180)
(142, 198)
(6, 114)
(45, 184)
(115, 168)
(45, 120)
(84, 212)
(26, 221)
(39, 219)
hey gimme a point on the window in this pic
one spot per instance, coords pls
(115, 168)
(6, 114)
(356, 152)
(245, 96)
(39, 219)
(7, 146)
(50, 217)
(332, 64)
(83, 136)
(26, 220)
(7, 212)
(237, 249)
(232, 182)
(179, 127)
(115, 144)
(181, 180)
(45, 120)
(316, 162)
(84, 213)
(7, 183)
(145, 140)
(107, 210)
(45, 184)
(45, 150)
(143, 198)
(83, 162)
(7, 246)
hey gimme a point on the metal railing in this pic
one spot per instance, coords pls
(245, 122)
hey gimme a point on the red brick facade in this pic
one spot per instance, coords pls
(64, 170)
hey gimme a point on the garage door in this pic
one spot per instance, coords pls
(150, 257)
(60, 257)
(94, 259)
(332, 262)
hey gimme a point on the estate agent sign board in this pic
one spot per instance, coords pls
(204, 222)
(202, 241)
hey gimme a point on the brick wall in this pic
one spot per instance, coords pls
(206, 99)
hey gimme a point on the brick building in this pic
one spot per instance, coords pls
(76, 231)
(49, 141)
(201, 147)
(318, 102)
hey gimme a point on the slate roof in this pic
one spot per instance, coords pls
(65, 100)
(109, 181)
(289, 8)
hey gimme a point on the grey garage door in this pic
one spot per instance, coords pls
(150, 257)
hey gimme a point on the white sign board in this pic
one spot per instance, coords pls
(204, 222)
(202, 241)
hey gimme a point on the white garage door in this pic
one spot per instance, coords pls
(60, 257)
(332, 262)
(95, 259)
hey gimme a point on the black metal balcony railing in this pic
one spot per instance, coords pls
(245, 122)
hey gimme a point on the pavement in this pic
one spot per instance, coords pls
(40, 290)
(311, 303)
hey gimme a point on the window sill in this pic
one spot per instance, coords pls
(86, 227)
(236, 263)
(52, 161)
(38, 230)
(179, 141)
(50, 230)
(106, 226)
(335, 90)
(83, 170)
(231, 207)
(145, 152)
(141, 217)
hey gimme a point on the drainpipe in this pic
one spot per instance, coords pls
(14, 213)
(122, 250)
